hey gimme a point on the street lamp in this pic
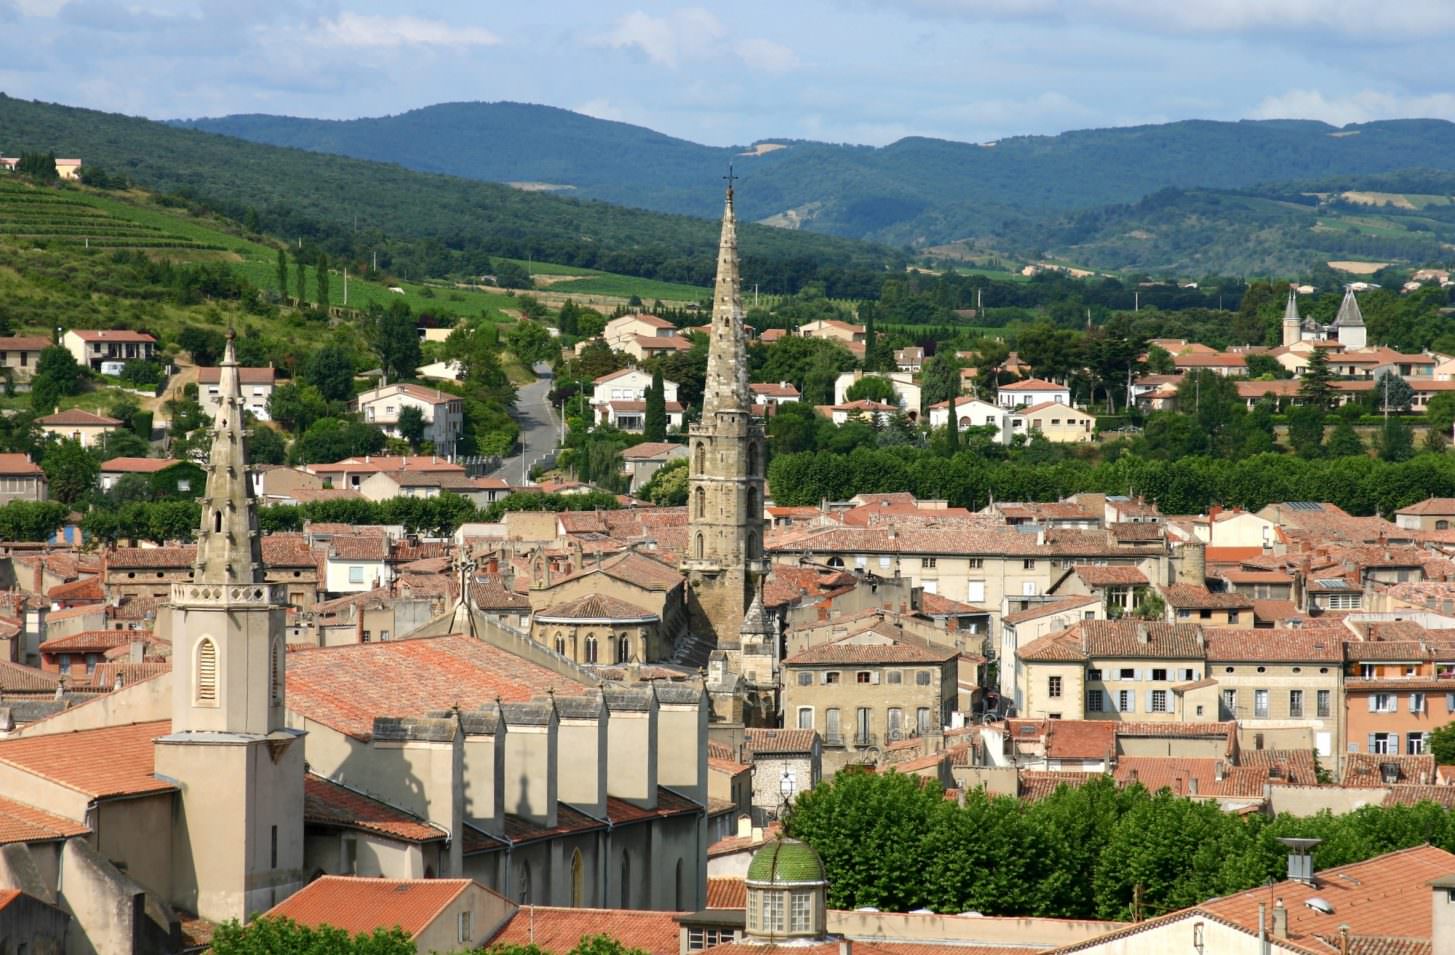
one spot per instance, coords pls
(786, 785)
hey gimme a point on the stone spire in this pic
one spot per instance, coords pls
(228, 549)
(1292, 323)
(726, 387)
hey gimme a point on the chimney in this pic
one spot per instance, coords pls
(39, 574)
(682, 710)
(581, 753)
(745, 826)
(631, 772)
(1442, 915)
(1301, 859)
(1280, 920)
(1143, 634)
(530, 758)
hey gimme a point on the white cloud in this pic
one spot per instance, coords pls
(359, 30)
(1361, 107)
(693, 34)
(766, 55)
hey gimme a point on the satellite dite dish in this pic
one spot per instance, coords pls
(1320, 904)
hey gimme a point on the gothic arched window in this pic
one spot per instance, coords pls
(577, 882)
(754, 505)
(626, 880)
(699, 503)
(560, 644)
(206, 672)
(590, 648)
(700, 463)
(623, 649)
(752, 459)
(698, 547)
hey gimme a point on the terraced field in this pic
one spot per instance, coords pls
(40, 214)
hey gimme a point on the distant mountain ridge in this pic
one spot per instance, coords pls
(917, 191)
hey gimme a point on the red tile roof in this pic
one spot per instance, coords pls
(596, 607)
(22, 823)
(111, 761)
(360, 905)
(763, 742)
(245, 376)
(346, 687)
(13, 465)
(88, 589)
(1317, 645)
(1034, 384)
(558, 930)
(95, 641)
(1080, 739)
(1110, 576)
(328, 803)
(726, 892)
(19, 678)
(850, 651)
(136, 465)
(25, 343)
(519, 829)
(112, 335)
(75, 417)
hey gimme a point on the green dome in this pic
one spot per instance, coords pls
(785, 860)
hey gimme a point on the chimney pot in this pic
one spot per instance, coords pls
(1280, 920)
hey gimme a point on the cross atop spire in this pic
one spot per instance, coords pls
(228, 550)
(730, 180)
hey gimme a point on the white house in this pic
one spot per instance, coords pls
(906, 391)
(444, 414)
(256, 385)
(643, 336)
(775, 393)
(972, 413)
(441, 371)
(874, 412)
(1032, 391)
(620, 399)
(357, 563)
(92, 348)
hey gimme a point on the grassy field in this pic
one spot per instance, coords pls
(572, 280)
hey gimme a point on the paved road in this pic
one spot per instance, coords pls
(539, 427)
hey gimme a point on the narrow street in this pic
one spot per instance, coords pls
(539, 426)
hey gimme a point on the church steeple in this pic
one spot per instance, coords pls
(1292, 323)
(726, 387)
(725, 467)
(228, 550)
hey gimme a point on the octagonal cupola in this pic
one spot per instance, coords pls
(787, 892)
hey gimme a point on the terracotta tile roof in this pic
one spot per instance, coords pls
(385, 462)
(95, 641)
(1192, 597)
(360, 905)
(359, 547)
(1156, 728)
(1061, 646)
(1317, 645)
(1274, 610)
(1110, 576)
(1051, 608)
(593, 607)
(519, 829)
(112, 335)
(1034, 384)
(69, 613)
(773, 389)
(75, 417)
(19, 678)
(16, 465)
(111, 761)
(1080, 739)
(1034, 785)
(938, 605)
(115, 675)
(728, 892)
(1125, 638)
(136, 465)
(1136, 531)
(730, 844)
(1362, 770)
(650, 449)
(22, 823)
(245, 376)
(1293, 766)
(852, 650)
(1410, 794)
(1374, 897)
(490, 593)
(669, 804)
(1188, 777)
(557, 931)
(346, 687)
(88, 589)
(766, 742)
(1439, 506)
(25, 343)
(328, 803)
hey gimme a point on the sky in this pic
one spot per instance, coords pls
(856, 71)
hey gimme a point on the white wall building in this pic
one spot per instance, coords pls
(444, 414)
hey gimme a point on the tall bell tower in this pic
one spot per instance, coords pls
(238, 839)
(725, 469)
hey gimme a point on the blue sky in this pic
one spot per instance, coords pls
(862, 71)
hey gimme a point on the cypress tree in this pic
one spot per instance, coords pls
(282, 272)
(952, 429)
(322, 267)
(302, 280)
(654, 427)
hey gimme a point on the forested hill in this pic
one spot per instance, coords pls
(428, 224)
(914, 190)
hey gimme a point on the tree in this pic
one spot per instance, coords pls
(395, 340)
(868, 312)
(301, 278)
(296, 406)
(205, 345)
(792, 358)
(322, 266)
(1440, 413)
(142, 373)
(1317, 386)
(331, 439)
(330, 369)
(872, 388)
(31, 520)
(1396, 440)
(56, 375)
(266, 446)
(1159, 361)
(282, 272)
(1392, 393)
(1150, 606)
(1441, 744)
(283, 936)
(1344, 440)
(941, 379)
(1265, 366)
(668, 487)
(1434, 442)
(952, 431)
(38, 166)
(70, 471)
(411, 425)
(1306, 430)
(654, 426)
(531, 343)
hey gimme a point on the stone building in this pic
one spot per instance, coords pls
(725, 497)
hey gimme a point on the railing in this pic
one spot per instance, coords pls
(193, 594)
(863, 740)
(833, 739)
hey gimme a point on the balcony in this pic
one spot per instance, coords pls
(865, 740)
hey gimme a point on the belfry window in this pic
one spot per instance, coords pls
(206, 677)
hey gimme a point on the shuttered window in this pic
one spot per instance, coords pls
(207, 672)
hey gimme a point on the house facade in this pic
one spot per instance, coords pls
(92, 349)
(444, 414)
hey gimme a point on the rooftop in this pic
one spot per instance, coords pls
(360, 905)
(111, 761)
(557, 930)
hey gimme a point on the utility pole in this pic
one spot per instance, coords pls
(1137, 300)
(346, 285)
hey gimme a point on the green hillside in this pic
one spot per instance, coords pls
(421, 225)
(916, 191)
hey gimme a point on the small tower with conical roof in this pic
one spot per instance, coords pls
(725, 465)
(238, 834)
(1348, 325)
(1292, 323)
